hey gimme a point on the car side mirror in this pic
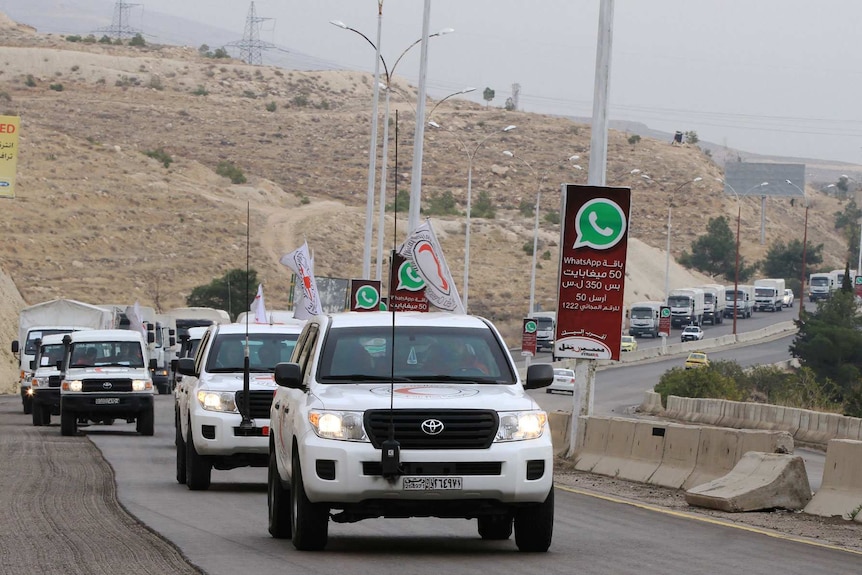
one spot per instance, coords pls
(15, 346)
(539, 375)
(289, 375)
(153, 364)
(32, 365)
(186, 366)
(174, 363)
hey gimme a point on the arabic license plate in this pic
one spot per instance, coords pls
(107, 400)
(431, 483)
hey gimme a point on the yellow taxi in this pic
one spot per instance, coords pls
(628, 343)
(696, 359)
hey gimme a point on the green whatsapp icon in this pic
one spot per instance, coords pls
(600, 224)
(367, 297)
(408, 279)
(530, 327)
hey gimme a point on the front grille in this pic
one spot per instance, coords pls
(102, 385)
(438, 468)
(462, 428)
(54, 380)
(259, 402)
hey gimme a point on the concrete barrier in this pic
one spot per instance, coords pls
(840, 492)
(757, 481)
(618, 449)
(646, 449)
(559, 422)
(651, 403)
(592, 447)
(679, 457)
(716, 455)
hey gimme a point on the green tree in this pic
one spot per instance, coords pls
(483, 207)
(231, 171)
(634, 139)
(233, 292)
(785, 261)
(442, 204)
(137, 40)
(714, 253)
(846, 222)
(691, 137)
(401, 203)
(488, 95)
(699, 382)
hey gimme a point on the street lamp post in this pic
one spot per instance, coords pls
(804, 248)
(388, 86)
(667, 250)
(471, 153)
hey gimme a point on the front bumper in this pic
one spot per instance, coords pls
(128, 404)
(217, 433)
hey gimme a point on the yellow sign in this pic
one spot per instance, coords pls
(9, 128)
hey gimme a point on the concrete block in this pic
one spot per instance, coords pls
(618, 449)
(679, 457)
(716, 455)
(765, 441)
(757, 481)
(644, 456)
(840, 492)
(559, 422)
(652, 403)
(592, 449)
(848, 428)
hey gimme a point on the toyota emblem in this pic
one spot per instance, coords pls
(432, 426)
(107, 385)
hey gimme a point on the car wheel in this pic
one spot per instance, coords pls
(68, 423)
(278, 500)
(308, 521)
(198, 467)
(36, 412)
(146, 422)
(534, 526)
(28, 404)
(495, 527)
(180, 444)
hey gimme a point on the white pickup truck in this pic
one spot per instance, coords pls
(408, 415)
(211, 430)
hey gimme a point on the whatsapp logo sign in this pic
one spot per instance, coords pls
(600, 224)
(367, 297)
(408, 279)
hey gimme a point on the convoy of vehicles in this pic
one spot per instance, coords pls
(691, 333)
(644, 318)
(686, 306)
(215, 427)
(408, 415)
(546, 325)
(47, 374)
(820, 286)
(106, 378)
(740, 300)
(714, 303)
(769, 294)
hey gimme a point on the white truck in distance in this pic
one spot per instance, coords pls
(741, 300)
(57, 316)
(769, 294)
(686, 306)
(644, 318)
(106, 378)
(714, 303)
(436, 423)
(820, 286)
(838, 278)
(211, 432)
(546, 329)
(46, 378)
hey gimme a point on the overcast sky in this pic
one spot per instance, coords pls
(777, 77)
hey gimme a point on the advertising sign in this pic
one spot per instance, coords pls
(9, 128)
(528, 337)
(406, 288)
(857, 286)
(364, 295)
(664, 321)
(593, 247)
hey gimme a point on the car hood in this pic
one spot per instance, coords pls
(234, 381)
(107, 371)
(422, 396)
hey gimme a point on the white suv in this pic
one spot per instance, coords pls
(436, 423)
(211, 431)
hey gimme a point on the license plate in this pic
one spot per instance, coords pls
(107, 400)
(431, 483)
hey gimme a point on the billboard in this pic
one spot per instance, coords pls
(747, 179)
(406, 287)
(593, 248)
(365, 295)
(9, 128)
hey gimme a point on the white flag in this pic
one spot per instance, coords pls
(423, 251)
(136, 320)
(300, 262)
(258, 306)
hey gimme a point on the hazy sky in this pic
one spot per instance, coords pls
(778, 77)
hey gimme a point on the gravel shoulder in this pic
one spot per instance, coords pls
(830, 531)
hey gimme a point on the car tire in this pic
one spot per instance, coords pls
(68, 423)
(28, 404)
(309, 521)
(198, 467)
(534, 526)
(495, 527)
(36, 412)
(180, 444)
(146, 422)
(277, 500)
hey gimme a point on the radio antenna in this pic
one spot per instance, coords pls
(245, 408)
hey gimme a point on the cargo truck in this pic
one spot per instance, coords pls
(713, 303)
(740, 299)
(644, 318)
(686, 306)
(769, 294)
(820, 286)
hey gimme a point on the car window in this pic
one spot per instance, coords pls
(265, 350)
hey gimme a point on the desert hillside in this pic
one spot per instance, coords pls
(98, 219)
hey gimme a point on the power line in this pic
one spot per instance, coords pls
(251, 46)
(119, 28)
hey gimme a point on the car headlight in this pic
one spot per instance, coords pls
(224, 401)
(163, 372)
(39, 382)
(141, 384)
(520, 425)
(342, 425)
(73, 385)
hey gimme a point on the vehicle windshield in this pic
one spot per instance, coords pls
(265, 350)
(764, 292)
(50, 355)
(820, 282)
(678, 301)
(105, 353)
(30, 345)
(544, 323)
(697, 356)
(642, 313)
(628, 339)
(731, 295)
(424, 354)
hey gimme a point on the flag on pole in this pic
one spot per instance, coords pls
(300, 262)
(424, 253)
(136, 320)
(258, 306)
